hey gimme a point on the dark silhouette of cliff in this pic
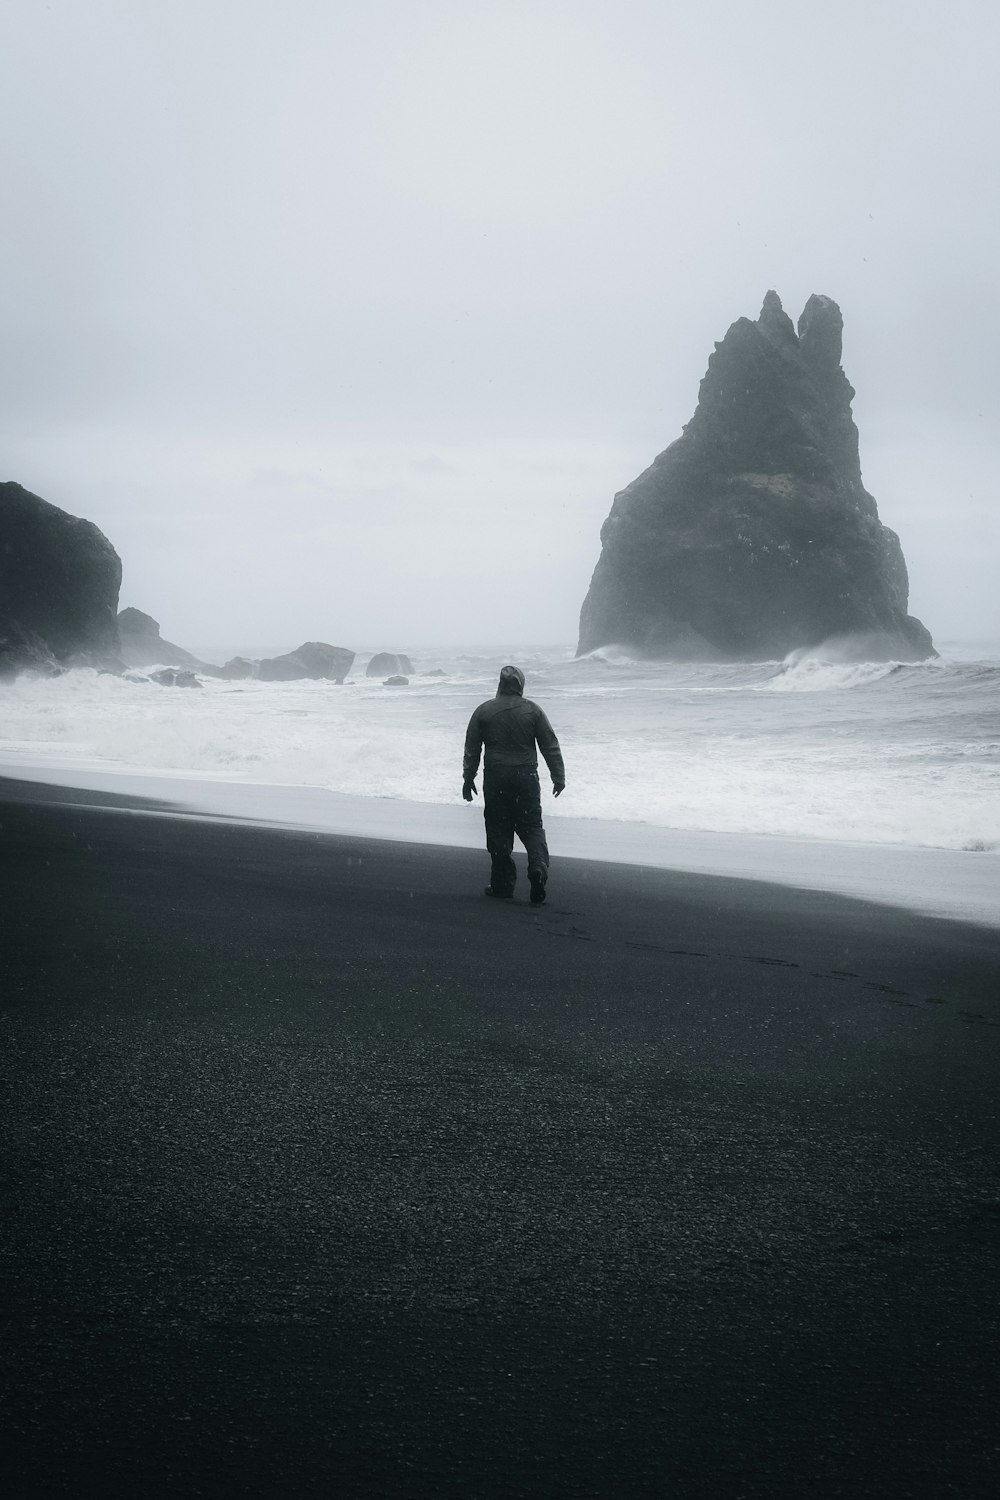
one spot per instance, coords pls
(59, 582)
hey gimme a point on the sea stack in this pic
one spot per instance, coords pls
(753, 535)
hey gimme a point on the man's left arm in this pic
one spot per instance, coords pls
(470, 761)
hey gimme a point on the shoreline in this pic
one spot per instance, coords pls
(326, 1175)
(962, 885)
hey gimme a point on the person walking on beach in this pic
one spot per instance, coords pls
(509, 726)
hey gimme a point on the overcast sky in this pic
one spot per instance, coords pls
(345, 319)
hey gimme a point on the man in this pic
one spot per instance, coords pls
(510, 726)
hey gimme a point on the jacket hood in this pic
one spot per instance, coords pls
(511, 681)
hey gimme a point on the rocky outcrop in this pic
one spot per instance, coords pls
(238, 668)
(312, 659)
(753, 535)
(175, 677)
(59, 582)
(143, 646)
(396, 681)
(388, 663)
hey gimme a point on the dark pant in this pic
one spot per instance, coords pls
(514, 806)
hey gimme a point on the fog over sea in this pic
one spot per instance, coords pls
(808, 748)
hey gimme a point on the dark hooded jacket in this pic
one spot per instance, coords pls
(509, 726)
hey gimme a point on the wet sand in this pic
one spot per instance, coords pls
(326, 1175)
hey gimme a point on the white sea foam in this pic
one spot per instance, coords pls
(612, 656)
(876, 752)
(814, 675)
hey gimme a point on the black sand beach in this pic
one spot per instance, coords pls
(325, 1175)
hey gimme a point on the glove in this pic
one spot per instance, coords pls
(557, 787)
(468, 788)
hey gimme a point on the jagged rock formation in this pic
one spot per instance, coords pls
(59, 582)
(753, 535)
(388, 663)
(312, 659)
(143, 646)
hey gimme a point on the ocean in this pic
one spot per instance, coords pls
(807, 748)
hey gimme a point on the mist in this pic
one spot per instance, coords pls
(347, 322)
